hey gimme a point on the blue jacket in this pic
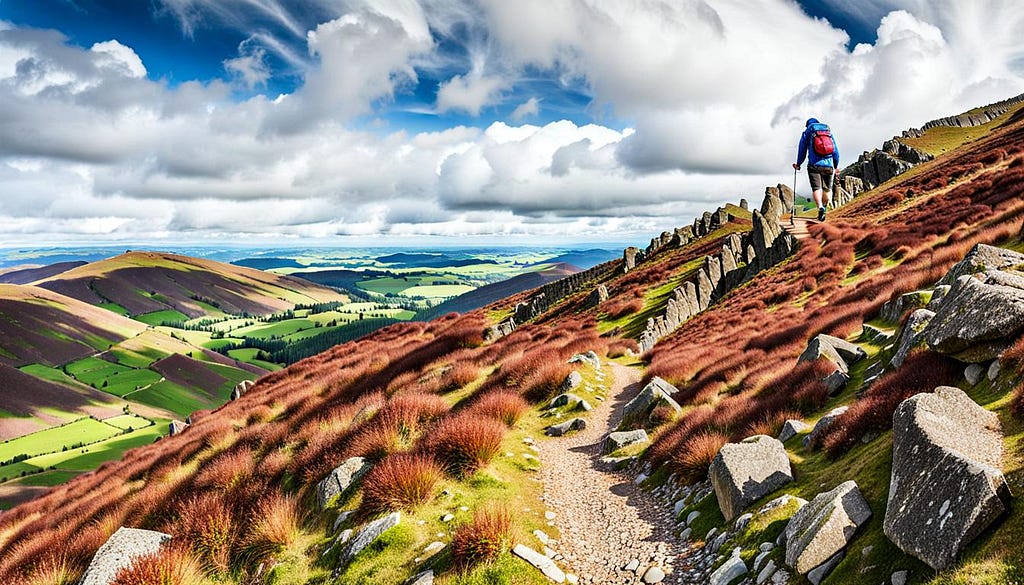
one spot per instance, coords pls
(807, 151)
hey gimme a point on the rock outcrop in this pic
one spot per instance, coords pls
(743, 472)
(339, 480)
(596, 296)
(241, 388)
(979, 318)
(947, 483)
(176, 427)
(878, 166)
(823, 527)
(364, 538)
(123, 547)
(976, 117)
(982, 258)
(619, 439)
(657, 392)
(911, 336)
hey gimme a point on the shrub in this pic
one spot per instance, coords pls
(227, 470)
(693, 459)
(400, 482)
(460, 374)
(484, 538)
(771, 423)
(274, 528)
(207, 523)
(504, 406)
(170, 566)
(465, 442)
(922, 371)
(546, 381)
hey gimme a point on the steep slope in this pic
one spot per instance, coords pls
(146, 282)
(441, 417)
(40, 326)
(29, 275)
(30, 404)
(490, 293)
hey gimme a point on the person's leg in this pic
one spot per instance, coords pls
(818, 198)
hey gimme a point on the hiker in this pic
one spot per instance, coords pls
(819, 146)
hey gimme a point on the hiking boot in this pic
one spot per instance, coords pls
(821, 214)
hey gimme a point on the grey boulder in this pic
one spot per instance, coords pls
(576, 424)
(564, 399)
(912, 335)
(120, 550)
(838, 351)
(589, 357)
(733, 568)
(792, 428)
(812, 438)
(656, 392)
(742, 473)
(947, 486)
(981, 258)
(979, 318)
(365, 537)
(824, 526)
(572, 381)
(339, 480)
(619, 439)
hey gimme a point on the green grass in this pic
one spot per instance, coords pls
(82, 431)
(115, 308)
(128, 421)
(112, 378)
(171, 397)
(276, 329)
(158, 317)
(48, 373)
(137, 359)
(89, 457)
(433, 291)
(47, 478)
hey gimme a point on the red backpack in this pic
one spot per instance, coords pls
(822, 141)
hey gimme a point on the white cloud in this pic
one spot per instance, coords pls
(530, 107)
(715, 95)
(468, 93)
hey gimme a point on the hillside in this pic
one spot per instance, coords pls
(28, 275)
(490, 293)
(148, 282)
(493, 447)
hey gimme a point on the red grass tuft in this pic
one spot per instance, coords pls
(170, 566)
(208, 524)
(465, 442)
(274, 527)
(693, 460)
(400, 482)
(484, 538)
(504, 406)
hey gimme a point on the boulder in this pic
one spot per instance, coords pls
(540, 562)
(656, 392)
(978, 319)
(974, 373)
(176, 427)
(742, 473)
(911, 336)
(565, 399)
(947, 486)
(980, 259)
(365, 537)
(892, 311)
(629, 258)
(571, 382)
(824, 526)
(731, 569)
(339, 480)
(791, 428)
(586, 358)
(836, 382)
(938, 295)
(560, 429)
(120, 550)
(818, 574)
(838, 351)
(812, 438)
(596, 296)
(993, 371)
(424, 578)
(619, 439)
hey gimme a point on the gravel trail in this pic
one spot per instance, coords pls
(605, 521)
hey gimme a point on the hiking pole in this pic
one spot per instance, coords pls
(792, 216)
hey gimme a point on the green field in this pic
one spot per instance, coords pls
(48, 373)
(248, 355)
(89, 457)
(276, 329)
(174, 398)
(81, 432)
(47, 478)
(108, 377)
(137, 359)
(115, 308)
(158, 317)
(128, 421)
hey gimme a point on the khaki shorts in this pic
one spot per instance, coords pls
(820, 177)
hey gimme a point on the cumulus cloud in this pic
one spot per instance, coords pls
(714, 94)
(530, 107)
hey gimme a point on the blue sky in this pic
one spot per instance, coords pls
(336, 120)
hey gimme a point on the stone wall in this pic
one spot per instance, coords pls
(545, 297)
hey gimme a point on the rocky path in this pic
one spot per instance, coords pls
(606, 522)
(798, 229)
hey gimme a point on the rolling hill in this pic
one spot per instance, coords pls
(28, 275)
(426, 451)
(148, 282)
(490, 293)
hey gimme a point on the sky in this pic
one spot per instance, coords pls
(477, 121)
